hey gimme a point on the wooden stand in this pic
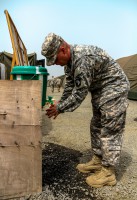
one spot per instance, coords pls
(20, 138)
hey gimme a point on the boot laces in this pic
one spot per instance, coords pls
(104, 171)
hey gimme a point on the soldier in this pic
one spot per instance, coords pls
(89, 68)
(52, 84)
(58, 84)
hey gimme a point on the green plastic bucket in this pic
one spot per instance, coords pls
(32, 73)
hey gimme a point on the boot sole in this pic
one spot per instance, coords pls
(85, 172)
(91, 171)
(111, 183)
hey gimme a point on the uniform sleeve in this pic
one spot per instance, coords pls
(69, 85)
(79, 92)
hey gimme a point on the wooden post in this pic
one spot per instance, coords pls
(20, 57)
(12, 35)
(12, 65)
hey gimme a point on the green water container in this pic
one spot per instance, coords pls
(32, 73)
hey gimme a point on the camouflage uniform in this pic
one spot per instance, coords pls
(91, 69)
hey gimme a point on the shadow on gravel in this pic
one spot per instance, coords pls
(60, 175)
(125, 162)
(46, 124)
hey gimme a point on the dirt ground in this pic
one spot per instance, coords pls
(66, 142)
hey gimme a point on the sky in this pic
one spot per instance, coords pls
(108, 24)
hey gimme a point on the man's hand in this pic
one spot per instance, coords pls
(52, 111)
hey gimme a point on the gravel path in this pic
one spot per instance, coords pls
(66, 142)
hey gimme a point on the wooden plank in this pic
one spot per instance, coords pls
(12, 34)
(18, 46)
(20, 171)
(20, 117)
(12, 65)
(20, 138)
(22, 91)
(21, 102)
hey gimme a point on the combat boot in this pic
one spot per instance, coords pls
(106, 176)
(91, 166)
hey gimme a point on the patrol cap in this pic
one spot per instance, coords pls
(50, 48)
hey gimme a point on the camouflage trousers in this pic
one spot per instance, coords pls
(107, 127)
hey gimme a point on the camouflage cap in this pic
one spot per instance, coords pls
(50, 47)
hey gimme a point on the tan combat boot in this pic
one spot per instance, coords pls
(106, 176)
(94, 164)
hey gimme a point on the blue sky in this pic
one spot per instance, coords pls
(109, 24)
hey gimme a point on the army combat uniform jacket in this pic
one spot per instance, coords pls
(91, 69)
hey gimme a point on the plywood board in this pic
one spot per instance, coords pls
(20, 171)
(20, 138)
(20, 102)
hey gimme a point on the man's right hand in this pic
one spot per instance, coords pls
(52, 111)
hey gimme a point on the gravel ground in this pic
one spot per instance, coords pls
(66, 142)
